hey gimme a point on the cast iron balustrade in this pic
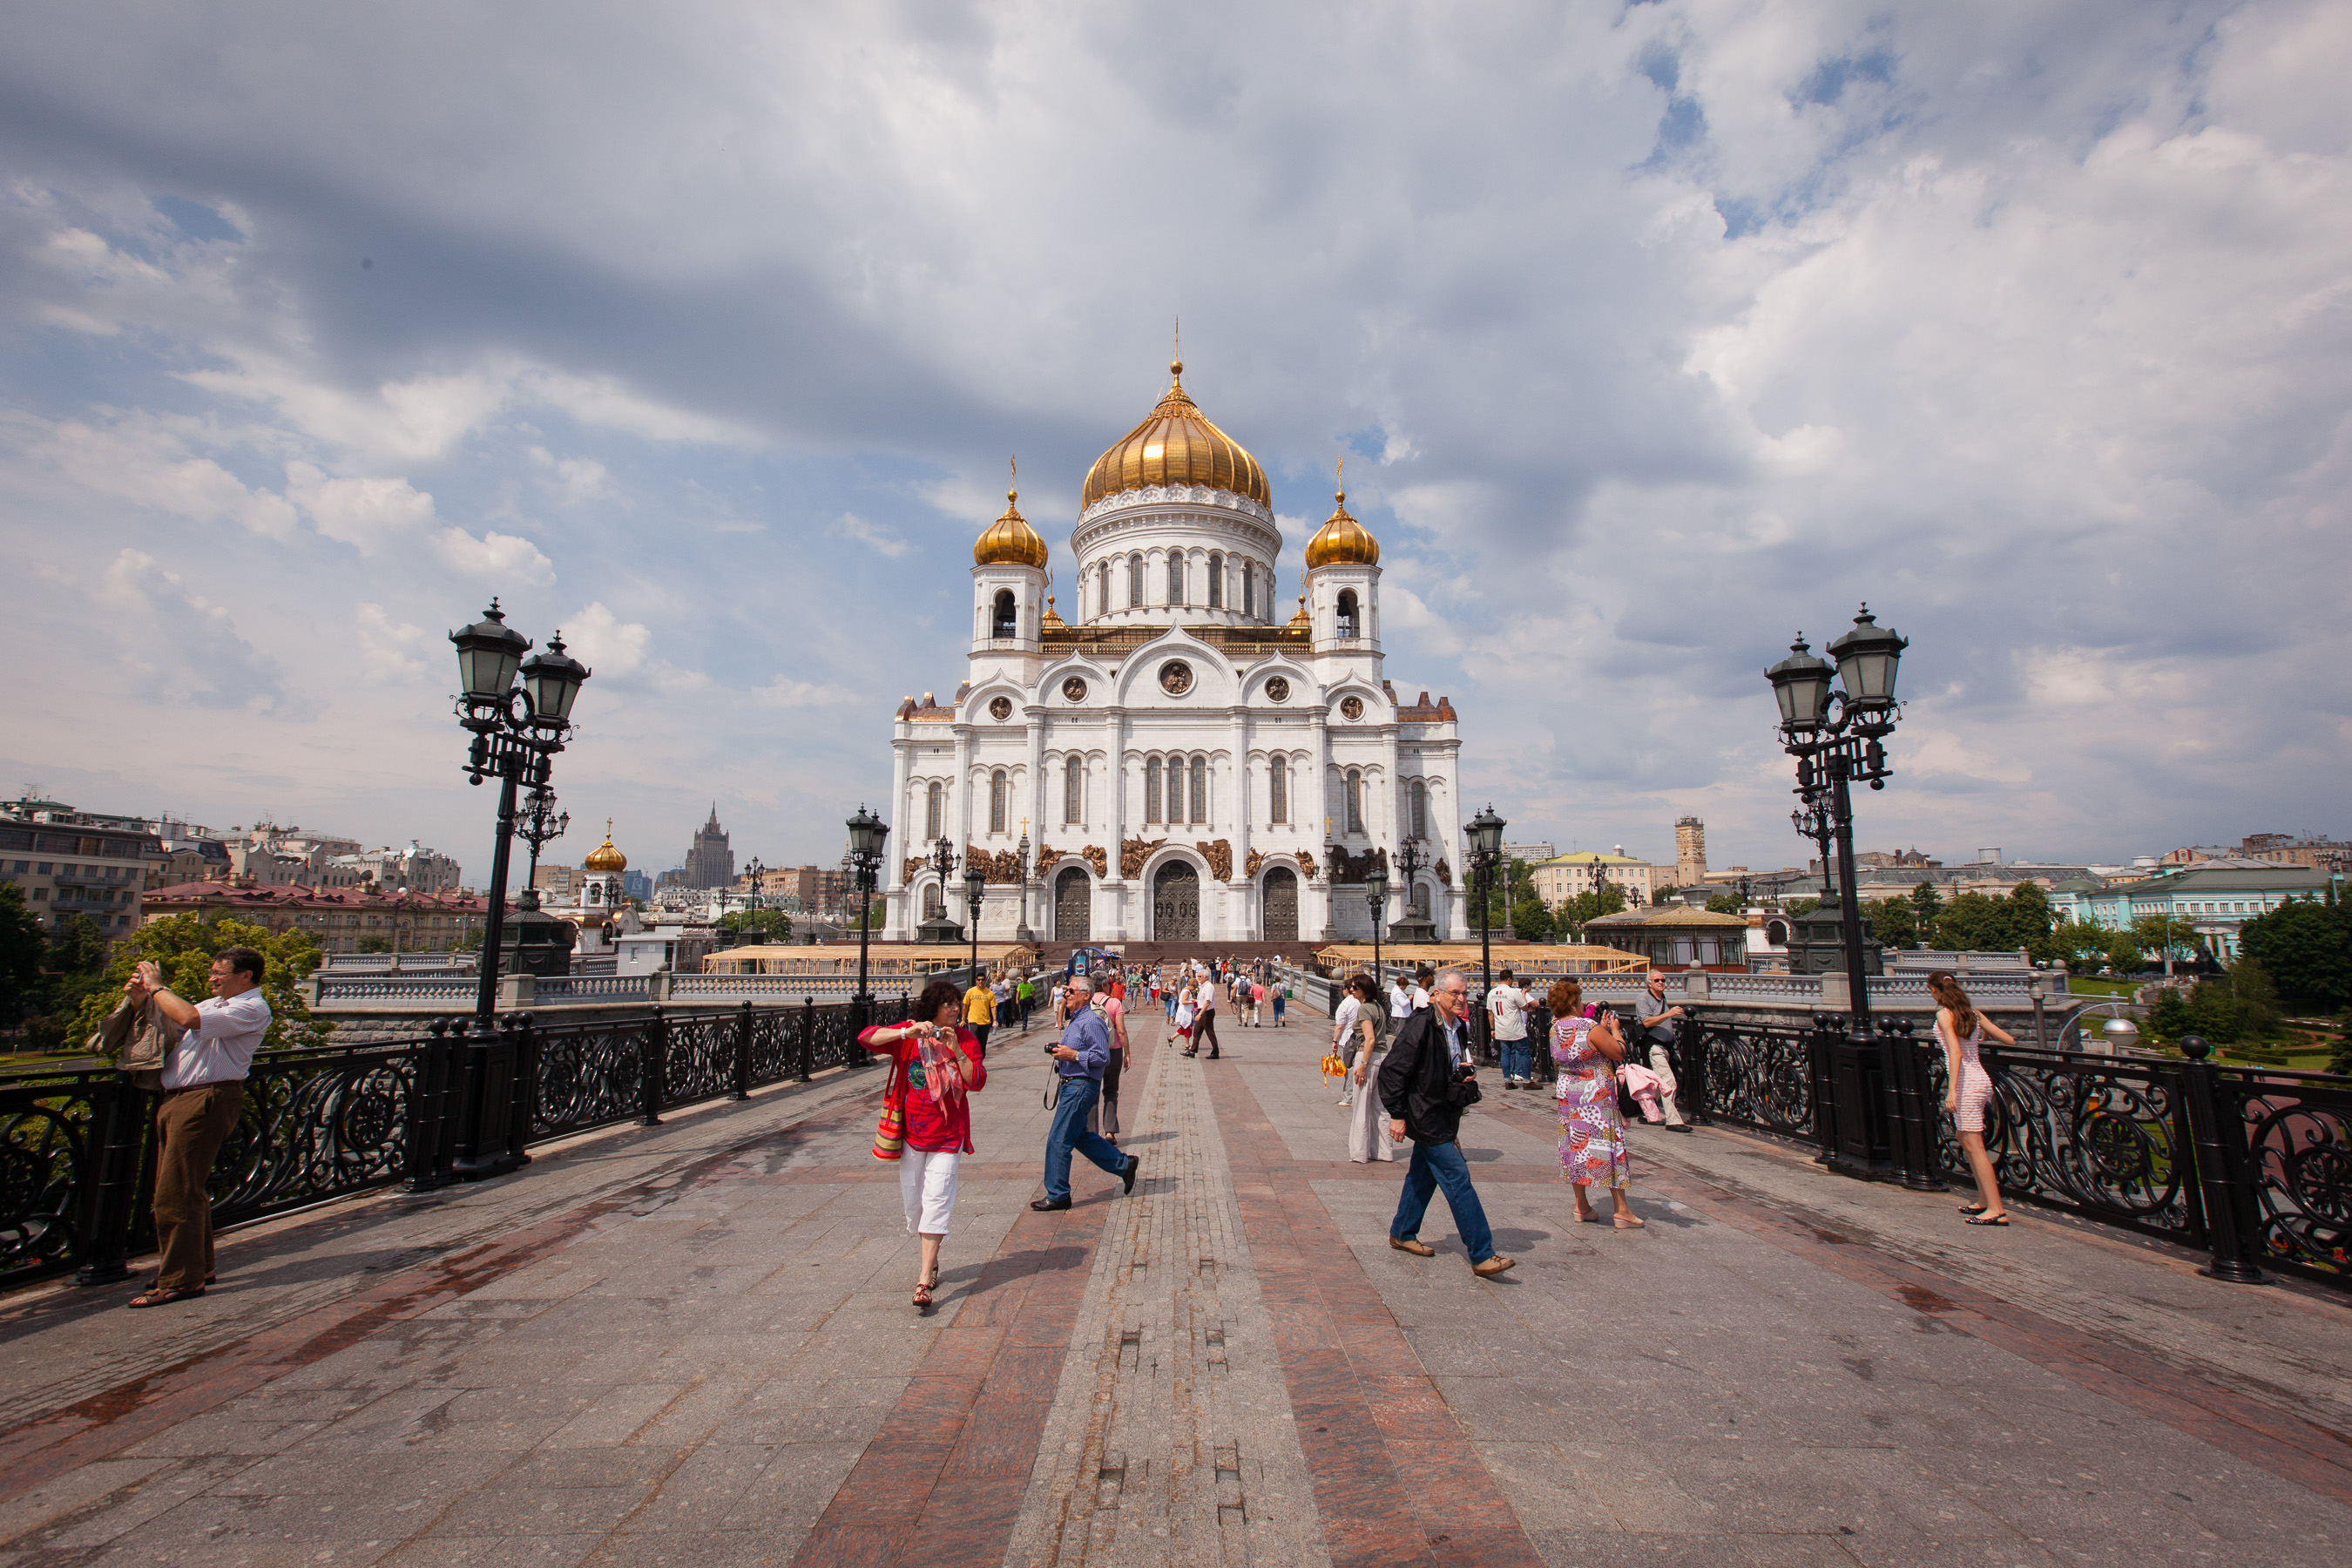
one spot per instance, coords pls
(77, 1146)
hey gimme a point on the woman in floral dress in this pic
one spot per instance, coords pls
(1593, 1140)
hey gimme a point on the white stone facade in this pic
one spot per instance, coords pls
(1176, 748)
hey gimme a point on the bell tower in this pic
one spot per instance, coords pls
(1008, 583)
(1343, 581)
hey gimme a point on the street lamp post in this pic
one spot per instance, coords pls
(975, 891)
(867, 834)
(1485, 831)
(1021, 933)
(518, 727)
(1376, 895)
(539, 825)
(1838, 738)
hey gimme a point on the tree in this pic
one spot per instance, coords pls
(2082, 944)
(2122, 953)
(1724, 904)
(1974, 922)
(1926, 905)
(756, 925)
(1532, 918)
(184, 947)
(2306, 948)
(2160, 934)
(22, 945)
(1893, 921)
(1587, 906)
(1801, 906)
(73, 968)
(375, 944)
(1659, 895)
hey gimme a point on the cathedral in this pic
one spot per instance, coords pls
(1178, 759)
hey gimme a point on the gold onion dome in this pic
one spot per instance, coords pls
(1009, 541)
(1342, 541)
(604, 858)
(1176, 444)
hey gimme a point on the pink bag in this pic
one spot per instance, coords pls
(1644, 1086)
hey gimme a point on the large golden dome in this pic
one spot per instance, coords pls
(1176, 444)
(1342, 541)
(1010, 539)
(604, 858)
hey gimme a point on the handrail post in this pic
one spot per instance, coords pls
(808, 1035)
(1919, 1172)
(2220, 1170)
(108, 1178)
(475, 1052)
(1826, 1027)
(1688, 1054)
(743, 1053)
(429, 1110)
(526, 1089)
(653, 1048)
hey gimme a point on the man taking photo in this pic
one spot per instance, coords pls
(1079, 1058)
(204, 1093)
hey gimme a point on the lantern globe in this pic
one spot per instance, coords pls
(1485, 831)
(1376, 885)
(489, 652)
(1802, 683)
(867, 834)
(552, 678)
(1868, 658)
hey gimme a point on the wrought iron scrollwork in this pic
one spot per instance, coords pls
(1759, 1075)
(2298, 1132)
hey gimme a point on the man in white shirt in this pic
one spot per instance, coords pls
(1507, 1009)
(203, 1094)
(1406, 998)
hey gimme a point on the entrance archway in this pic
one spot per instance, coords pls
(1176, 903)
(1073, 906)
(1281, 888)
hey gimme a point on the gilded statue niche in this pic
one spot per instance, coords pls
(999, 866)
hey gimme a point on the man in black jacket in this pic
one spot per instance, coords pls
(1427, 1079)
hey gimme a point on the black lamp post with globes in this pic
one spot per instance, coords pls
(1876, 1115)
(867, 834)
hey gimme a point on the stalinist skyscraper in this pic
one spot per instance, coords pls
(710, 863)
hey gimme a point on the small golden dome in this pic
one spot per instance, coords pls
(1176, 444)
(1302, 620)
(1052, 620)
(1009, 541)
(1342, 541)
(604, 858)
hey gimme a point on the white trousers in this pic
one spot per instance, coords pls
(1664, 1067)
(1368, 1121)
(927, 1185)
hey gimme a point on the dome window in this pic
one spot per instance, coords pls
(1005, 621)
(1350, 622)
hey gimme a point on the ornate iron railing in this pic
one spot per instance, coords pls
(1754, 1074)
(2106, 1139)
(77, 1148)
(2297, 1128)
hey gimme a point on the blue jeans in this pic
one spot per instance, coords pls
(1078, 1097)
(1519, 1062)
(1436, 1166)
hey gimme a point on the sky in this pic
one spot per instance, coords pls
(1652, 334)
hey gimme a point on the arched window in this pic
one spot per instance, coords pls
(1355, 802)
(1135, 582)
(1420, 809)
(1421, 900)
(1348, 621)
(933, 905)
(1005, 621)
(1249, 588)
(1102, 589)
(935, 801)
(1175, 576)
(1216, 581)
(1074, 790)
(1277, 789)
(1000, 797)
(1199, 789)
(1151, 790)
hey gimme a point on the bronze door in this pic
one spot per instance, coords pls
(1281, 905)
(1176, 903)
(1073, 906)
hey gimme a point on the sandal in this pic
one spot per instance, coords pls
(164, 1297)
(922, 1297)
(1626, 1222)
(1972, 1208)
(2000, 1219)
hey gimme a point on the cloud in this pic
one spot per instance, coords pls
(854, 527)
(178, 649)
(143, 460)
(605, 643)
(783, 692)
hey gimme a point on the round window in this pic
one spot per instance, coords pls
(1075, 689)
(1175, 678)
(1351, 707)
(1001, 710)
(1277, 689)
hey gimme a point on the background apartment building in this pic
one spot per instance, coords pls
(69, 862)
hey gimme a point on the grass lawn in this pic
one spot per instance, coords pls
(2084, 985)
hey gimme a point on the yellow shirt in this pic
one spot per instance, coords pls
(980, 1005)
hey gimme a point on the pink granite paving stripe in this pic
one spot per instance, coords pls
(1396, 1478)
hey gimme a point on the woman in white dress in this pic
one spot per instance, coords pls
(1368, 1124)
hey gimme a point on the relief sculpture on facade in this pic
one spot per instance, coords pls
(1444, 875)
(1307, 865)
(1220, 856)
(1133, 853)
(1002, 865)
(1095, 856)
(1252, 861)
(1047, 856)
(915, 863)
(1354, 869)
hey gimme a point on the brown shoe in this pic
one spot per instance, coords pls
(1413, 1244)
(1493, 1266)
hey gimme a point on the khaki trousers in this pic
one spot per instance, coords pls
(191, 1125)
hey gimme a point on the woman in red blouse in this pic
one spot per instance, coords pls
(935, 1065)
